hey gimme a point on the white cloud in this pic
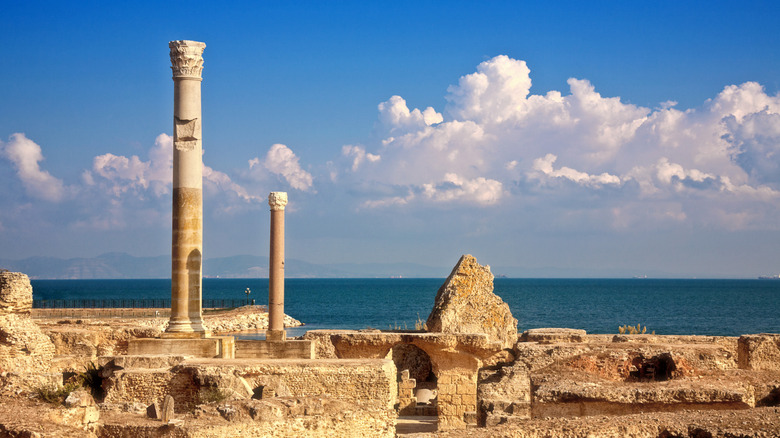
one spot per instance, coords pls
(478, 190)
(358, 155)
(26, 156)
(544, 167)
(496, 142)
(496, 92)
(125, 174)
(282, 161)
(221, 182)
(754, 141)
(396, 115)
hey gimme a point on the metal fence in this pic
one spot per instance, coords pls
(121, 308)
(133, 304)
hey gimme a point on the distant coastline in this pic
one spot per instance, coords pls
(125, 266)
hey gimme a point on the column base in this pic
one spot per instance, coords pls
(185, 328)
(182, 335)
(212, 347)
(275, 335)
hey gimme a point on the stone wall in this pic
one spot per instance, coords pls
(289, 349)
(759, 352)
(455, 358)
(348, 380)
(313, 417)
(23, 347)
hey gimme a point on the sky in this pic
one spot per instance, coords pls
(586, 138)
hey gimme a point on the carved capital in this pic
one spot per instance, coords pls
(187, 58)
(277, 200)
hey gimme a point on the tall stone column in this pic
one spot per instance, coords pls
(275, 332)
(187, 243)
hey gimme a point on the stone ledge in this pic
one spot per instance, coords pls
(217, 346)
(553, 335)
(290, 349)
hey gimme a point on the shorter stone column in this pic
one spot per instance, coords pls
(275, 332)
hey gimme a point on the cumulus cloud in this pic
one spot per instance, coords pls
(754, 141)
(26, 156)
(358, 155)
(396, 115)
(544, 167)
(123, 174)
(282, 161)
(495, 141)
(221, 182)
(478, 190)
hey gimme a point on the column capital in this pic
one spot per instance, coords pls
(186, 59)
(277, 200)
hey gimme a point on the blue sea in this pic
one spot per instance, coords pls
(702, 307)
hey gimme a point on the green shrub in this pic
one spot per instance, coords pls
(212, 395)
(56, 394)
(89, 378)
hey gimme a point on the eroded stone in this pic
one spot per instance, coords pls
(465, 303)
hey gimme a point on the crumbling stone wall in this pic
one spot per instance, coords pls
(759, 352)
(348, 380)
(23, 347)
(305, 417)
(455, 359)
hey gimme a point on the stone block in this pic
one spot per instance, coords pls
(291, 349)
(166, 414)
(23, 346)
(759, 352)
(553, 335)
(465, 303)
(152, 361)
(154, 411)
(15, 293)
(79, 398)
(218, 346)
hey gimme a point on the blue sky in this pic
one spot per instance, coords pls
(590, 137)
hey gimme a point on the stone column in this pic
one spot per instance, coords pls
(275, 332)
(187, 242)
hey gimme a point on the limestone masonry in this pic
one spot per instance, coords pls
(466, 304)
(550, 382)
(23, 347)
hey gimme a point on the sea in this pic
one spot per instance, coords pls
(666, 306)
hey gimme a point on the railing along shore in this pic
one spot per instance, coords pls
(135, 308)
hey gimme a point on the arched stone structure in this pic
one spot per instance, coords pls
(455, 359)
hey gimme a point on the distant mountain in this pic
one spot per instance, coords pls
(109, 265)
(121, 265)
(248, 266)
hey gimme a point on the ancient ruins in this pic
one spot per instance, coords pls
(187, 209)
(465, 372)
(372, 383)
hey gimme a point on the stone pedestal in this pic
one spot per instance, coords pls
(187, 228)
(223, 347)
(276, 332)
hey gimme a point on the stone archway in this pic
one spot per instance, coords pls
(455, 361)
(417, 383)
